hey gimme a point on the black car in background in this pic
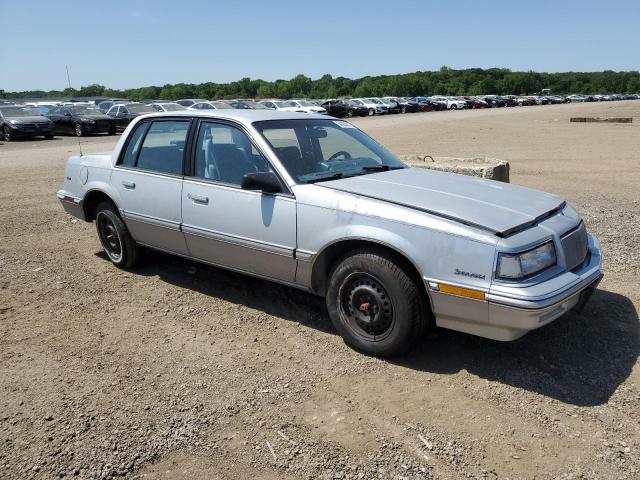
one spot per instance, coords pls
(335, 108)
(344, 108)
(19, 122)
(124, 113)
(81, 120)
(494, 101)
(405, 104)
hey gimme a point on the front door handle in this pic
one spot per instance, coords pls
(198, 199)
(129, 185)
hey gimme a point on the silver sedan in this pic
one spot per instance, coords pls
(315, 203)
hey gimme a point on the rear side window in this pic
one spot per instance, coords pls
(133, 147)
(163, 147)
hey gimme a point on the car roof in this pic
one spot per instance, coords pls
(246, 117)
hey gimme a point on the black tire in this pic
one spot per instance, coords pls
(117, 242)
(454, 107)
(112, 130)
(48, 137)
(371, 112)
(79, 130)
(404, 109)
(350, 113)
(375, 305)
(6, 133)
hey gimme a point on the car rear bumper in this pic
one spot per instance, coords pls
(507, 314)
(71, 204)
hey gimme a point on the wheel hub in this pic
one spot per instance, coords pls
(367, 306)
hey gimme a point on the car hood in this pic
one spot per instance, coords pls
(495, 206)
(30, 119)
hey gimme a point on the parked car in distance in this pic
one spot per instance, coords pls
(123, 114)
(405, 105)
(373, 108)
(21, 122)
(167, 106)
(245, 105)
(107, 104)
(81, 120)
(282, 105)
(209, 105)
(307, 106)
(320, 203)
(187, 102)
(452, 103)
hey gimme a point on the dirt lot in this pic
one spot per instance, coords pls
(180, 371)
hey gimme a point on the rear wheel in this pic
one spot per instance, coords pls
(371, 112)
(404, 109)
(350, 113)
(114, 236)
(48, 137)
(374, 304)
(79, 130)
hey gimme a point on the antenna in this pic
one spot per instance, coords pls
(73, 106)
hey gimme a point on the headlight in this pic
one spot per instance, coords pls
(13, 122)
(520, 265)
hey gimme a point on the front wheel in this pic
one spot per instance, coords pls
(375, 305)
(48, 137)
(79, 130)
(6, 133)
(115, 238)
(371, 112)
(454, 107)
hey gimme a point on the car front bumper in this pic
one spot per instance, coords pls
(31, 131)
(507, 313)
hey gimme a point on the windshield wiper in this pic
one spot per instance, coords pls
(333, 176)
(380, 168)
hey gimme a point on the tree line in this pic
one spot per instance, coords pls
(446, 81)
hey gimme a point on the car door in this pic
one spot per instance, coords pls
(66, 121)
(223, 224)
(148, 178)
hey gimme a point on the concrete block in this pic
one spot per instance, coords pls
(490, 168)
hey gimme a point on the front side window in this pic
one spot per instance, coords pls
(225, 154)
(163, 147)
(317, 150)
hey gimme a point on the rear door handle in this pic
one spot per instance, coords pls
(198, 199)
(129, 185)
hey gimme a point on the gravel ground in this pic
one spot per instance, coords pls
(181, 371)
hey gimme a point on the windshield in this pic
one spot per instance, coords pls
(374, 100)
(318, 150)
(306, 103)
(16, 112)
(221, 105)
(285, 104)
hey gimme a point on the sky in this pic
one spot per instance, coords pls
(135, 43)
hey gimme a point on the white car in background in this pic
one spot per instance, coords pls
(452, 103)
(209, 105)
(283, 105)
(167, 106)
(375, 108)
(307, 106)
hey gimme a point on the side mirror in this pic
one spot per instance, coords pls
(67, 114)
(266, 182)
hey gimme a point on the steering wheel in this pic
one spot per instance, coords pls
(334, 157)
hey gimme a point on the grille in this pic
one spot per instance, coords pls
(574, 244)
